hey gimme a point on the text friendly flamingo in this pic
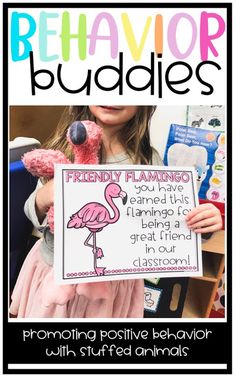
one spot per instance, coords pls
(95, 216)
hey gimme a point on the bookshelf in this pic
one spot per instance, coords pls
(202, 290)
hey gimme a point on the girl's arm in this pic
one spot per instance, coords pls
(37, 204)
(204, 218)
(44, 199)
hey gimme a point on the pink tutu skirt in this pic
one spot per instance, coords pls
(36, 296)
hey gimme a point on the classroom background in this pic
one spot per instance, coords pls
(201, 127)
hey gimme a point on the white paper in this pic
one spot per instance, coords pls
(99, 238)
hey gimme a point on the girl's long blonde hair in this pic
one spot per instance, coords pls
(134, 137)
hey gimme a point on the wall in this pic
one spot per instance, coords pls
(34, 121)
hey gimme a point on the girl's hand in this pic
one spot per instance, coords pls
(204, 218)
(44, 199)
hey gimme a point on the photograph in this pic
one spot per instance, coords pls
(160, 225)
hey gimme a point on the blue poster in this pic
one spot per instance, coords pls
(203, 149)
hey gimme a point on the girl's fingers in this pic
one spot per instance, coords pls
(203, 223)
(204, 218)
(208, 229)
(199, 209)
(201, 216)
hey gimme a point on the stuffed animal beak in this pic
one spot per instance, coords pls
(77, 133)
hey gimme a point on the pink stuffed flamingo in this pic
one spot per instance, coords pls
(95, 216)
(85, 139)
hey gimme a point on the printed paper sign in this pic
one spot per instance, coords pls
(124, 223)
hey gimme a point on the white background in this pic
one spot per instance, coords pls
(74, 71)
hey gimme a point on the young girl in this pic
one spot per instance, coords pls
(125, 140)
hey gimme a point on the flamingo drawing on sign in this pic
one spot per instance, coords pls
(95, 216)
